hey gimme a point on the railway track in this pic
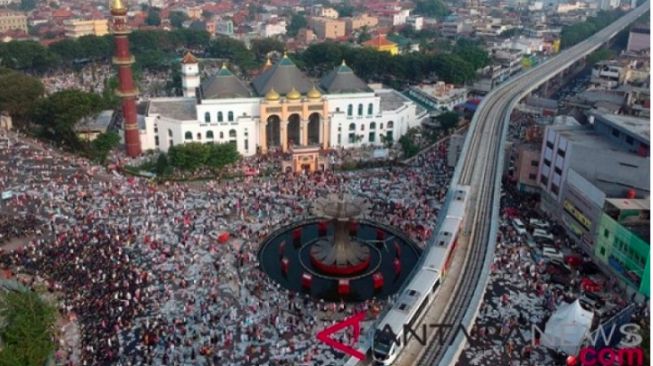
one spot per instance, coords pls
(480, 168)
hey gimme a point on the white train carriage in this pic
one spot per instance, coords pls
(396, 328)
(391, 333)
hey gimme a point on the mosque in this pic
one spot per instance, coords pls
(279, 110)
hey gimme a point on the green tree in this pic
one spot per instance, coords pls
(345, 9)
(261, 47)
(162, 167)
(103, 144)
(364, 35)
(177, 18)
(471, 52)
(222, 154)
(153, 17)
(18, 94)
(207, 14)
(448, 120)
(297, 22)
(431, 8)
(28, 332)
(27, 55)
(60, 112)
(189, 156)
(27, 5)
(234, 50)
(408, 146)
(599, 55)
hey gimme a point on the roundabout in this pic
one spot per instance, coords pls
(337, 254)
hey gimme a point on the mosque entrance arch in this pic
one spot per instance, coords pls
(273, 131)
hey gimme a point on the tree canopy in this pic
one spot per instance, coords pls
(261, 47)
(195, 155)
(575, 33)
(448, 120)
(61, 111)
(234, 50)
(297, 22)
(431, 8)
(177, 18)
(18, 94)
(28, 333)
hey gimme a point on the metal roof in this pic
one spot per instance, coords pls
(343, 80)
(282, 77)
(224, 84)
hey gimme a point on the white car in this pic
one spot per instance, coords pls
(539, 224)
(552, 253)
(539, 234)
(519, 226)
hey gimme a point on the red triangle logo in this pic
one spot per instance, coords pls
(353, 321)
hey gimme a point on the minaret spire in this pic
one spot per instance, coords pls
(126, 88)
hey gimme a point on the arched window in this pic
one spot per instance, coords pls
(352, 127)
(169, 133)
(220, 117)
(360, 109)
(232, 134)
(207, 117)
(350, 110)
(391, 124)
(381, 125)
(221, 135)
(230, 116)
(188, 135)
(199, 136)
(209, 135)
(373, 126)
(370, 109)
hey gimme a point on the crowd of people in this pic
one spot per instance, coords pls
(141, 269)
(93, 77)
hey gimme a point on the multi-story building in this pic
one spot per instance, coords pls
(623, 241)
(76, 28)
(438, 97)
(416, 22)
(357, 22)
(326, 28)
(12, 20)
(273, 28)
(280, 109)
(608, 74)
(526, 160)
(639, 38)
(574, 186)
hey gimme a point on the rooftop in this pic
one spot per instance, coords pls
(630, 203)
(640, 127)
(391, 99)
(182, 109)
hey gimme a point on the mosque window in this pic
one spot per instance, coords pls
(169, 133)
(230, 116)
(220, 119)
(373, 126)
(221, 135)
(350, 110)
(209, 135)
(232, 133)
(188, 135)
(391, 124)
(370, 109)
(352, 127)
(360, 109)
(207, 117)
(199, 136)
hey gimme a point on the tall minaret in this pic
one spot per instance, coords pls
(126, 88)
(190, 74)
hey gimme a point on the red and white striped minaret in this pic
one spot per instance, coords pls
(126, 88)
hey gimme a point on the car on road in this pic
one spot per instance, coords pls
(519, 226)
(542, 235)
(552, 253)
(539, 224)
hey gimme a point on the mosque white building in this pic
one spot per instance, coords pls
(280, 109)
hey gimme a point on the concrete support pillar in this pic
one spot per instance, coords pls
(284, 135)
(324, 132)
(303, 132)
(263, 137)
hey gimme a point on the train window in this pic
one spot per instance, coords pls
(412, 292)
(441, 243)
(402, 307)
(435, 285)
(446, 233)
